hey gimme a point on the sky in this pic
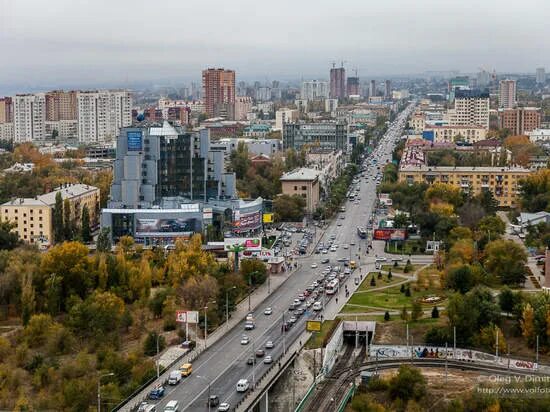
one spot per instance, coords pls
(57, 43)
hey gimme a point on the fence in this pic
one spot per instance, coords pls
(349, 395)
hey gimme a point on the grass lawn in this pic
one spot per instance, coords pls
(430, 278)
(365, 284)
(400, 268)
(412, 247)
(317, 339)
(377, 318)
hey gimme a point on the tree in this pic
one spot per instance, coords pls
(372, 281)
(506, 260)
(240, 160)
(409, 383)
(535, 191)
(68, 224)
(507, 299)
(150, 344)
(400, 220)
(488, 338)
(487, 201)
(444, 193)
(390, 275)
(57, 219)
(28, 302)
(289, 208)
(85, 227)
(493, 227)
(527, 324)
(8, 238)
(416, 312)
(435, 312)
(402, 288)
(460, 278)
(408, 291)
(408, 267)
(387, 316)
(404, 314)
(253, 271)
(104, 240)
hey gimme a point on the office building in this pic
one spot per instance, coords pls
(372, 88)
(33, 217)
(29, 115)
(352, 86)
(314, 90)
(454, 134)
(471, 107)
(331, 105)
(219, 92)
(6, 110)
(520, 120)
(326, 135)
(243, 105)
(387, 90)
(302, 182)
(507, 94)
(285, 115)
(502, 182)
(337, 83)
(540, 76)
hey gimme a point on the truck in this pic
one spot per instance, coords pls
(174, 378)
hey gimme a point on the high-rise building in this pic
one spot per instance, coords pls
(219, 91)
(101, 114)
(29, 114)
(314, 90)
(243, 105)
(372, 88)
(285, 115)
(520, 120)
(326, 135)
(471, 108)
(61, 105)
(507, 94)
(352, 86)
(483, 78)
(337, 83)
(6, 110)
(263, 94)
(387, 89)
(540, 76)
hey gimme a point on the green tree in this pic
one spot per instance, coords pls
(28, 300)
(487, 201)
(289, 208)
(416, 312)
(460, 278)
(57, 219)
(8, 238)
(68, 224)
(150, 344)
(409, 383)
(240, 160)
(104, 240)
(435, 312)
(400, 220)
(507, 299)
(506, 260)
(387, 316)
(85, 227)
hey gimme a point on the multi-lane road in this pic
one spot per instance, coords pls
(217, 370)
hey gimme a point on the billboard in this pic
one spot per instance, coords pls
(187, 316)
(247, 221)
(164, 227)
(268, 218)
(390, 234)
(135, 140)
(249, 244)
(313, 326)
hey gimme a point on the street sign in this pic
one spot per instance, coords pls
(313, 326)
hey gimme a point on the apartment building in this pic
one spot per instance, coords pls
(219, 92)
(302, 182)
(337, 83)
(452, 134)
(507, 94)
(314, 90)
(502, 182)
(6, 110)
(33, 217)
(285, 115)
(29, 115)
(520, 120)
(243, 105)
(471, 107)
(325, 135)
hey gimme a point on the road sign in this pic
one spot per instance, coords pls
(313, 326)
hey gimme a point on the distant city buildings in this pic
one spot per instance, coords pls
(29, 114)
(520, 120)
(325, 135)
(507, 94)
(372, 88)
(471, 107)
(314, 90)
(219, 92)
(337, 83)
(243, 105)
(387, 90)
(352, 86)
(285, 115)
(540, 75)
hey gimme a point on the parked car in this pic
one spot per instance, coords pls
(156, 393)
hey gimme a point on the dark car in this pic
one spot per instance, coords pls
(250, 361)
(286, 326)
(213, 400)
(156, 393)
(260, 353)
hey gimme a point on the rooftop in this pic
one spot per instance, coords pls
(67, 192)
(487, 169)
(303, 173)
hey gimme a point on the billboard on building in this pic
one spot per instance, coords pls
(164, 227)
(249, 244)
(390, 234)
(135, 140)
(268, 218)
(247, 221)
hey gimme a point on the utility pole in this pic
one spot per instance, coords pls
(454, 342)
(446, 354)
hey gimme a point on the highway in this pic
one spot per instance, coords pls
(217, 370)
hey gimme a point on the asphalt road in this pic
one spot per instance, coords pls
(218, 369)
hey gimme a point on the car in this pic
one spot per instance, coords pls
(356, 281)
(269, 344)
(268, 359)
(268, 311)
(315, 284)
(345, 246)
(156, 393)
(224, 407)
(314, 265)
(352, 243)
(380, 259)
(342, 259)
(297, 302)
(245, 340)
(332, 249)
(324, 252)
(242, 385)
(260, 353)
(174, 378)
(292, 320)
(250, 361)
(213, 400)
(172, 406)
(325, 260)
(286, 326)
(250, 317)
(339, 224)
(301, 297)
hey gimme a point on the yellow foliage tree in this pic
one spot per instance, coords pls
(527, 324)
(442, 208)
(462, 251)
(189, 260)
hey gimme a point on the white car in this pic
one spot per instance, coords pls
(333, 249)
(314, 265)
(345, 246)
(381, 259)
(224, 407)
(268, 311)
(245, 340)
(269, 344)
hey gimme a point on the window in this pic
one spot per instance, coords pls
(295, 187)
(304, 187)
(40, 226)
(40, 212)
(40, 218)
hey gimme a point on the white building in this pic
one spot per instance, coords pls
(6, 131)
(29, 117)
(314, 90)
(65, 128)
(507, 94)
(539, 135)
(471, 108)
(540, 75)
(452, 134)
(243, 105)
(285, 115)
(101, 114)
(331, 105)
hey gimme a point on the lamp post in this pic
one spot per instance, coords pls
(209, 384)
(99, 389)
(227, 305)
(206, 325)
(158, 360)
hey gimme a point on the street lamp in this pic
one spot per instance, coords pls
(209, 383)
(99, 389)
(158, 360)
(227, 305)
(206, 325)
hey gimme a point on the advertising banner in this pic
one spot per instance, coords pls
(249, 244)
(164, 227)
(390, 234)
(268, 218)
(313, 326)
(187, 316)
(247, 221)
(135, 140)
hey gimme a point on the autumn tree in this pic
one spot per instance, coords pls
(188, 259)
(506, 260)
(416, 311)
(527, 324)
(57, 219)
(104, 240)
(535, 191)
(488, 338)
(289, 208)
(68, 222)
(85, 225)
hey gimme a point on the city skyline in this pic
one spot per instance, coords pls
(130, 44)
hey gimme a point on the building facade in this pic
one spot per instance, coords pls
(352, 86)
(337, 83)
(243, 105)
(471, 107)
(219, 92)
(507, 94)
(502, 182)
(303, 182)
(285, 115)
(455, 134)
(521, 120)
(6, 110)
(29, 117)
(387, 89)
(314, 90)
(540, 76)
(372, 88)
(326, 135)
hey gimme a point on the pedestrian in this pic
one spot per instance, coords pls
(336, 300)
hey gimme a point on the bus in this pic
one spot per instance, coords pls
(332, 287)
(361, 232)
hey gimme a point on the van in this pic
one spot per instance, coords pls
(242, 385)
(186, 369)
(172, 406)
(317, 306)
(174, 378)
(352, 264)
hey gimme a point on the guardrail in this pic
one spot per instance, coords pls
(347, 397)
(302, 403)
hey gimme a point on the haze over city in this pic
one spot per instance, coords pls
(106, 43)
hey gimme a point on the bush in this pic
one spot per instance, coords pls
(376, 383)
(437, 336)
(408, 267)
(409, 383)
(408, 292)
(402, 288)
(435, 313)
(372, 281)
(150, 344)
(389, 275)
(387, 316)
(379, 275)
(395, 264)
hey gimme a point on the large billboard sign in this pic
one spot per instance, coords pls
(390, 234)
(250, 244)
(187, 316)
(164, 227)
(135, 140)
(247, 221)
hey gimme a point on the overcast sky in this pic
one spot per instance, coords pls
(72, 42)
